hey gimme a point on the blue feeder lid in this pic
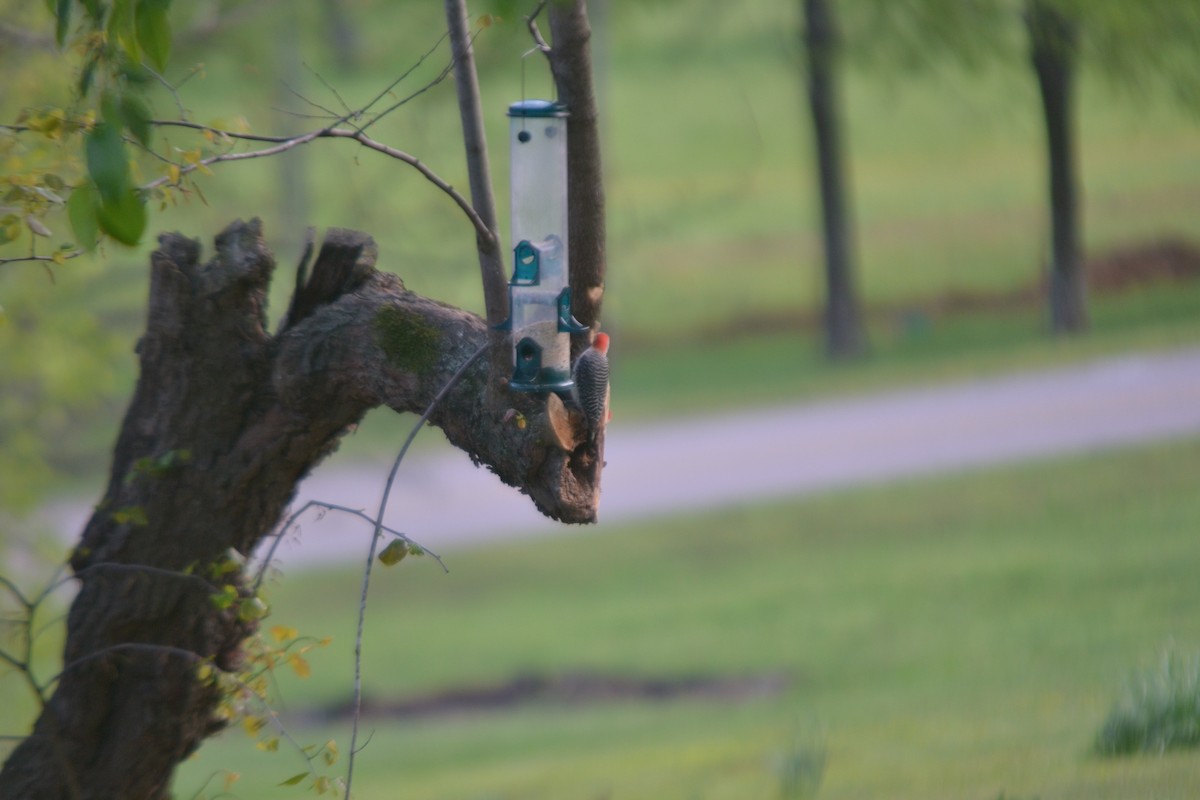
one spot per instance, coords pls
(537, 108)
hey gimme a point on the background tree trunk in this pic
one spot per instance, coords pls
(225, 421)
(1052, 44)
(844, 334)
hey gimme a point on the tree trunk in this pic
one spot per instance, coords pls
(843, 324)
(571, 64)
(224, 422)
(1052, 44)
(342, 36)
(470, 112)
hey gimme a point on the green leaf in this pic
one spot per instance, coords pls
(154, 31)
(295, 779)
(136, 117)
(394, 553)
(252, 608)
(121, 29)
(82, 208)
(226, 597)
(63, 12)
(86, 76)
(124, 219)
(106, 161)
(95, 9)
(10, 228)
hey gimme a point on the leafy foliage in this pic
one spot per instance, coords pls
(1134, 45)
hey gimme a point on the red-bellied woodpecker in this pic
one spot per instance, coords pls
(590, 374)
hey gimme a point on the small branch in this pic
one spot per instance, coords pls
(172, 90)
(482, 230)
(15, 592)
(383, 501)
(262, 570)
(26, 670)
(534, 32)
(388, 89)
(470, 112)
(43, 260)
(13, 662)
(282, 144)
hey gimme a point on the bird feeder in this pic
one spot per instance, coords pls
(539, 294)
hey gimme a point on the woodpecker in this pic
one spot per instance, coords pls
(590, 374)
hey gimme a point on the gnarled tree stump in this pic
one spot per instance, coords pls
(225, 421)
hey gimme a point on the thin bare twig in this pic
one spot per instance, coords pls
(262, 570)
(45, 261)
(326, 113)
(336, 95)
(15, 592)
(284, 143)
(388, 89)
(383, 501)
(535, 32)
(172, 90)
(441, 76)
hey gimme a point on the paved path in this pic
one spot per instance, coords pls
(698, 463)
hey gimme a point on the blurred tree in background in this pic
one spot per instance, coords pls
(1134, 45)
(845, 336)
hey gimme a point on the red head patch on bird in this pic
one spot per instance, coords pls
(601, 342)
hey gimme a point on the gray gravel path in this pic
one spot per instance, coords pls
(706, 462)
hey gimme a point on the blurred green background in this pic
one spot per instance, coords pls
(944, 638)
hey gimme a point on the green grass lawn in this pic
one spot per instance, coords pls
(961, 637)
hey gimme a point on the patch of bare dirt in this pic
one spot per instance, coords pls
(568, 689)
(1110, 272)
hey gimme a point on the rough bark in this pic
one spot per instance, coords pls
(844, 334)
(224, 422)
(1052, 45)
(571, 65)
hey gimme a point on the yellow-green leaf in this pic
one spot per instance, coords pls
(253, 725)
(394, 553)
(281, 633)
(295, 779)
(252, 608)
(300, 666)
